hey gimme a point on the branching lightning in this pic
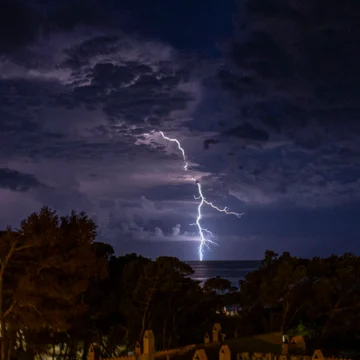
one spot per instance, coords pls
(204, 240)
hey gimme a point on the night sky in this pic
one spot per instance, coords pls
(273, 84)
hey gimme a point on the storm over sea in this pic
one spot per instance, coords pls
(232, 270)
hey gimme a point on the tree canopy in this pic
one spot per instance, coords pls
(61, 290)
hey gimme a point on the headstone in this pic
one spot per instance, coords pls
(93, 353)
(215, 332)
(200, 355)
(285, 348)
(137, 349)
(225, 353)
(318, 355)
(149, 345)
(298, 342)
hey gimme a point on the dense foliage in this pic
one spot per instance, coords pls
(60, 290)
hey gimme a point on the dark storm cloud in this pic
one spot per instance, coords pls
(82, 99)
(16, 181)
(130, 84)
(247, 131)
(21, 22)
(294, 79)
(172, 192)
(17, 23)
(75, 106)
(297, 64)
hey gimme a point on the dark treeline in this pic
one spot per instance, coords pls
(60, 291)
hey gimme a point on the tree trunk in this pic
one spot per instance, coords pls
(169, 342)
(174, 331)
(164, 342)
(329, 319)
(3, 343)
(4, 337)
(86, 347)
(53, 351)
(9, 348)
(236, 333)
(144, 322)
(284, 317)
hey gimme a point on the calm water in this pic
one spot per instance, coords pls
(231, 270)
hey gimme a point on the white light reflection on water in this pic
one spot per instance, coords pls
(231, 270)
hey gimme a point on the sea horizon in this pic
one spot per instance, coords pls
(232, 270)
(205, 261)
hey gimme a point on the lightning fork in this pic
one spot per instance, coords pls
(204, 242)
(179, 147)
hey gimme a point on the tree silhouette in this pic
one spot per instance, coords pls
(60, 291)
(47, 264)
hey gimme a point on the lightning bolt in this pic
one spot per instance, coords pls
(204, 240)
(186, 165)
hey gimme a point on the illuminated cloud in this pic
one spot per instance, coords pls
(158, 232)
(176, 230)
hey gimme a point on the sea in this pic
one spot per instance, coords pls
(233, 270)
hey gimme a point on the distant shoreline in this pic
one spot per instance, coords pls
(218, 261)
(232, 270)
